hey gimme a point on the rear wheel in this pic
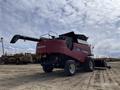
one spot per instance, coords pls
(70, 67)
(47, 68)
(89, 65)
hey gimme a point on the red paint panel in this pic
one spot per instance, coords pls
(59, 46)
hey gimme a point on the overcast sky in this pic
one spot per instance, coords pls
(97, 19)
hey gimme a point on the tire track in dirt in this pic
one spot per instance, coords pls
(79, 82)
(103, 76)
(44, 79)
(110, 83)
(101, 80)
(89, 81)
(35, 79)
(115, 79)
(94, 81)
(70, 82)
(106, 77)
(18, 81)
(115, 76)
(85, 84)
(109, 76)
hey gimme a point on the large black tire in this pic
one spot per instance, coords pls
(89, 65)
(47, 69)
(69, 43)
(70, 68)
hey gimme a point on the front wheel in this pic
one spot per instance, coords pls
(47, 69)
(70, 67)
(89, 65)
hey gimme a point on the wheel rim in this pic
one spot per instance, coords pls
(72, 68)
(91, 65)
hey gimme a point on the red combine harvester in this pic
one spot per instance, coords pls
(68, 51)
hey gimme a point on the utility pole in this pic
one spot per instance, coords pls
(2, 45)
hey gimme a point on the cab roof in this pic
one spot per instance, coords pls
(75, 36)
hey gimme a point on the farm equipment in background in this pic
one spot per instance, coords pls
(68, 51)
(17, 59)
(24, 59)
(8, 59)
(36, 58)
(1, 61)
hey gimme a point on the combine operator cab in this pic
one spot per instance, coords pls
(68, 51)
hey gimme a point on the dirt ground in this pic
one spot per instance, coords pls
(31, 77)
